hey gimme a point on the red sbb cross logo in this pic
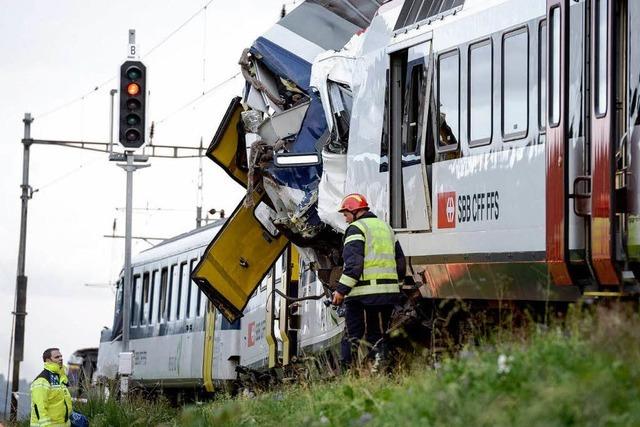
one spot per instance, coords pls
(447, 210)
(251, 334)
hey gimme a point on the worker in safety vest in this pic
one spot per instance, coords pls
(50, 398)
(374, 267)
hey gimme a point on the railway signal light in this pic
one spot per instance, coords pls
(133, 77)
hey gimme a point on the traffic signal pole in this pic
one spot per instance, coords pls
(130, 168)
(20, 304)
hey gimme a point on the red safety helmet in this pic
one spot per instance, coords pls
(353, 202)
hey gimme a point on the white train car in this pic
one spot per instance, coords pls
(181, 342)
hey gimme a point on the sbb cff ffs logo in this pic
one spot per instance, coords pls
(133, 89)
(447, 209)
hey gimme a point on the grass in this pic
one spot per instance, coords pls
(585, 373)
(135, 411)
(584, 370)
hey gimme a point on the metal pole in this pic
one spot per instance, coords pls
(200, 198)
(112, 92)
(127, 254)
(21, 282)
(130, 168)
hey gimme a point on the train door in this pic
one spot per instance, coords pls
(633, 136)
(557, 194)
(608, 62)
(607, 58)
(410, 82)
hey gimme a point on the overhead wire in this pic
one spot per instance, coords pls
(150, 51)
(73, 101)
(197, 98)
(114, 77)
(66, 175)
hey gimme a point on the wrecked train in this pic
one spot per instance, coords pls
(181, 343)
(499, 138)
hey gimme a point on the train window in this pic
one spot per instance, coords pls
(183, 292)
(279, 266)
(449, 100)
(194, 298)
(263, 283)
(601, 30)
(480, 90)
(554, 68)
(162, 306)
(135, 305)
(384, 138)
(515, 84)
(413, 119)
(173, 293)
(203, 303)
(542, 76)
(144, 313)
(154, 295)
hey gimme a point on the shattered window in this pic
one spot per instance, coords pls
(341, 100)
(413, 121)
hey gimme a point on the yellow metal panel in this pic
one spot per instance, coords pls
(207, 360)
(291, 275)
(295, 263)
(236, 261)
(272, 344)
(227, 149)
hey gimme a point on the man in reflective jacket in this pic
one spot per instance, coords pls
(374, 267)
(50, 398)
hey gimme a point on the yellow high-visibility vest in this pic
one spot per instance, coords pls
(379, 275)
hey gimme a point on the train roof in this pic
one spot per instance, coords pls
(184, 242)
(459, 22)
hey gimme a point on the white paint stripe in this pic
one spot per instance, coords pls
(292, 42)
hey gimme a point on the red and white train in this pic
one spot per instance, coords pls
(499, 138)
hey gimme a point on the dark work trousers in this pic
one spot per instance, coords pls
(363, 320)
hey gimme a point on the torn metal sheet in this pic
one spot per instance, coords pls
(367, 156)
(227, 148)
(331, 189)
(283, 125)
(239, 257)
(358, 12)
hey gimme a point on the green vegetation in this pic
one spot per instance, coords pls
(583, 370)
(586, 372)
(136, 411)
(111, 412)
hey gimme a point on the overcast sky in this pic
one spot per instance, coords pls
(51, 54)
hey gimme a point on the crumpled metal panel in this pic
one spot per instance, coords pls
(358, 12)
(364, 161)
(282, 63)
